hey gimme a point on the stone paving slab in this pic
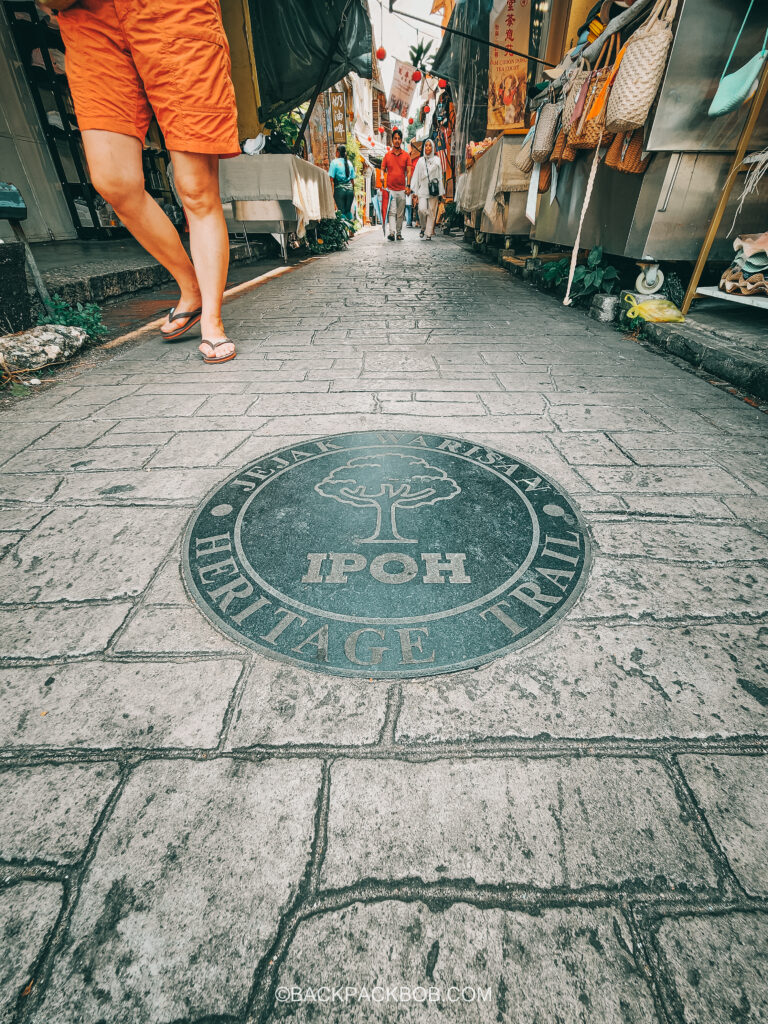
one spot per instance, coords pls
(28, 912)
(59, 630)
(598, 681)
(733, 794)
(642, 588)
(485, 966)
(282, 705)
(117, 704)
(59, 806)
(515, 822)
(89, 554)
(172, 920)
(682, 542)
(718, 966)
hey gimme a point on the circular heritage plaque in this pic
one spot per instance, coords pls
(386, 554)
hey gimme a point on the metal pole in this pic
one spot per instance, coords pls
(326, 68)
(741, 149)
(476, 39)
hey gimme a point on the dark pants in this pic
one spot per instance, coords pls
(344, 198)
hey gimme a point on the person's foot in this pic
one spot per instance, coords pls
(399, 238)
(189, 302)
(421, 234)
(216, 346)
(391, 238)
(220, 350)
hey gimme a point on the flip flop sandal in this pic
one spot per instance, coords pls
(214, 345)
(193, 316)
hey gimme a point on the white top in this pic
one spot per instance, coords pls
(427, 169)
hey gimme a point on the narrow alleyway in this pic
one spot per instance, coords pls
(210, 816)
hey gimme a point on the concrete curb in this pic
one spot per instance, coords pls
(717, 353)
(100, 287)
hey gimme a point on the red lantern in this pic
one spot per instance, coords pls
(381, 53)
(426, 108)
(417, 76)
(441, 82)
(410, 120)
(381, 129)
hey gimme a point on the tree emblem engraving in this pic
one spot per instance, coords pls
(388, 482)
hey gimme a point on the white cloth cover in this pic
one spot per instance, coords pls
(484, 185)
(279, 176)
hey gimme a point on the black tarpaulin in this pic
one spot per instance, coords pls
(464, 62)
(291, 43)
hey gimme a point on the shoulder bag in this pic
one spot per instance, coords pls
(524, 160)
(625, 153)
(739, 86)
(545, 133)
(433, 187)
(642, 68)
(589, 131)
(578, 80)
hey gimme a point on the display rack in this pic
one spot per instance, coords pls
(738, 166)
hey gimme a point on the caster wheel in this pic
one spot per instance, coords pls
(643, 285)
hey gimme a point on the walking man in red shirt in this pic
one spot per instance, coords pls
(396, 167)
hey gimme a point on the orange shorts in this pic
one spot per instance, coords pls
(128, 58)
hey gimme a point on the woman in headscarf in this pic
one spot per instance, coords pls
(342, 174)
(427, 182)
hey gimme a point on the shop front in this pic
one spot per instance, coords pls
(277, 64)
(654, 201)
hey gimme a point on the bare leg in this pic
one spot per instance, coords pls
(114, 161)
(197, 182)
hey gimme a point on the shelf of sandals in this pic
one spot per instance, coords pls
(746, 280)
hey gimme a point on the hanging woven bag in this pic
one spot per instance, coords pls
(545, 135)
(557, 150)
(590, 129)
(524, 160)
(545, 177)
(625, 153)
(571, 94)
(641, 71)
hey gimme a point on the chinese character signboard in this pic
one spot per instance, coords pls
(403, 85)
(318, 135)
(507, 73)
(338, 117)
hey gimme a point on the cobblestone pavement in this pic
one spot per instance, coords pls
(574, 832)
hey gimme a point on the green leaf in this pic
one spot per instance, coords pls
(610, 273)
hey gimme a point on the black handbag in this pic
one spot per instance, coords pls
(433, 186)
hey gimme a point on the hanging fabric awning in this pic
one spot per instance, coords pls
(291, 43)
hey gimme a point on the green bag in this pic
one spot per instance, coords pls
(739, 86)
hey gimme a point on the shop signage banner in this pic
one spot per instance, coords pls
(338, 117)
(510, 25)
(318, 135)
(402, 90)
